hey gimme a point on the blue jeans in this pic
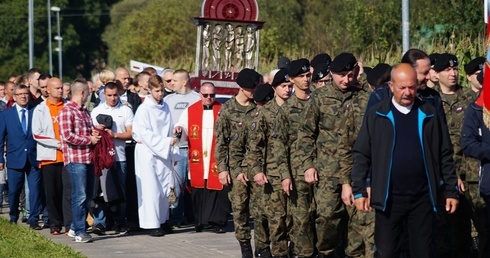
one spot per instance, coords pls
(99, 217)
(16, 179)
(182, 169)
(82, 179)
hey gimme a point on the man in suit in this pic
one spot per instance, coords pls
(15, 131)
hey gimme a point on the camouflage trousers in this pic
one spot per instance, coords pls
(470, 221)
(268, 208)
(330, 211)
(360, 234)
(301, 210)
(239, 196)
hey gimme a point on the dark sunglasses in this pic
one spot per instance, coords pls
(168, 81)
(208, 95)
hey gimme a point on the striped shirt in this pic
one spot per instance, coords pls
(75, 131)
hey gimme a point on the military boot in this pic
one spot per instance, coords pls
(246, 249)
(263, 253)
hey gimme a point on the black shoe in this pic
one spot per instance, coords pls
(218, 230)
(46, 225)
(158, 232)
(24, 219)
(121, 230)
(166, 228)
(98, 230)
(263, 253)
(35, 226)
(246, 249)
(199, 227)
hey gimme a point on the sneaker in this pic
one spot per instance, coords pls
(83, 238)
(70, 233)
(121, 230)
(98, 230)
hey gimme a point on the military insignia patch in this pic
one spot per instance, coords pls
(459, 109)
(252, 126)
(235, 137)
(239, 124)
(256, 114)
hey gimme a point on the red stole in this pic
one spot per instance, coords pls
(196, 153)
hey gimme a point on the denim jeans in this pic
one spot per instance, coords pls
(99, 216)
(182, 169)
(82, 179)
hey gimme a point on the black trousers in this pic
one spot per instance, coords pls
(211, 206)
(417, 213)
(56, 192)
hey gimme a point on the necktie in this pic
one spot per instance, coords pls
(24, 121)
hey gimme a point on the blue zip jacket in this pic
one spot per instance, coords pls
(374, 149)
(475, 141)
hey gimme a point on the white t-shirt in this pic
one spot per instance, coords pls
(122, 116)
(177, 103)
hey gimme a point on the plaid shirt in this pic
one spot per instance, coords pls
(75, 131)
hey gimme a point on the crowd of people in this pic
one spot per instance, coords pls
(329, 158)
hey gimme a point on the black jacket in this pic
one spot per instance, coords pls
(475, 141)
(374, 149)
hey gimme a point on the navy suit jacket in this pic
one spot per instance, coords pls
(20, 146)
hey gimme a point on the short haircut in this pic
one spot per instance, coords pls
(20, 87)
(413, 55)
(107, 76)
(33, 71)
(168, 70)
(183, 72)
(44, 76)
(208, 84)
(137, 77)
(150, 70)
(155, 82)
(78, 85)
(111, 86)
(23, 79)
(2, 83)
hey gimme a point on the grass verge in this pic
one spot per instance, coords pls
(18, 241)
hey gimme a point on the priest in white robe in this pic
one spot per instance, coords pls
(154, 158)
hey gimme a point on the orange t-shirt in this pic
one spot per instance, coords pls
(54, 110)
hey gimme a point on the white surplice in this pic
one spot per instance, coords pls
(154, 157)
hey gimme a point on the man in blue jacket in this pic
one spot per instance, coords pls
(406, 145)
(15, 132)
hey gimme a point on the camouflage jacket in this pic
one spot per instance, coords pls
(454, 110)
(264, 142)
(287, 124)
(231, 136)
(325, 116)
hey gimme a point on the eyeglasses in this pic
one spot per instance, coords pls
(22, 94)
(168, 81)
(208, 95)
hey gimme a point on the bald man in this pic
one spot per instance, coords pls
(406, 170)
(127, 98)
(45, 129)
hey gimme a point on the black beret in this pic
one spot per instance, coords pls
(280, 77)
(343, 62)
(105, 120)
(321, 59)
(479, 78)
(248, 78)
(474, 65)
(320, 71)
(367, 69)
(298, 67)
(378, 72)
(445, 60)
(433, 57)
(263, 93)
(283, 62)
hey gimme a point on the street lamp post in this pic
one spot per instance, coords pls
(59, 39)
(50, 39)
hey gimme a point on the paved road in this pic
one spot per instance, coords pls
(185, 242)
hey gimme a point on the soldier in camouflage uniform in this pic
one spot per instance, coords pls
(318, 151)
(231, 129)
(269, 180)
(455, 100)
(300, 205)
(360, 228)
